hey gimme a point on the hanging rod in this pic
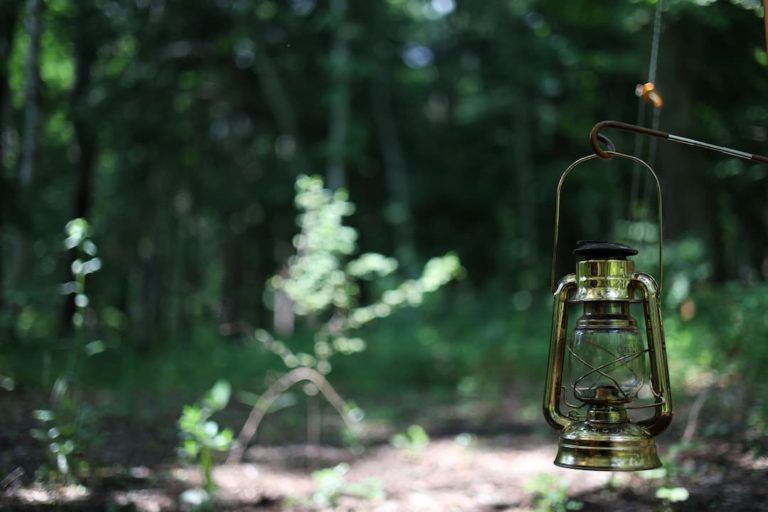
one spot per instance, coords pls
(595, 137)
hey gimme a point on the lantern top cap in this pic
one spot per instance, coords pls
(603, 250)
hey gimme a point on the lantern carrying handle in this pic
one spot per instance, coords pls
(595, 137)
(609, 154)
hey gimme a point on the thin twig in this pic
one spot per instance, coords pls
(693, 415)
(277, 388)
(12, 478)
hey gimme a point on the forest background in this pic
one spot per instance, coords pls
(178, 131)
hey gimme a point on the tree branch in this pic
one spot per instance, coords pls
(277, 388)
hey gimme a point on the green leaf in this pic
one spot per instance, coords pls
(39, 434)
(68, 447)
(195, 499)
(95, 347)
(62, 464)
(211, 429)
(218, 397)
(191, 448)
(672, 494)
(43, 415)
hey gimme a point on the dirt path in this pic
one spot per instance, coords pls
(464, 474)
(461, 475)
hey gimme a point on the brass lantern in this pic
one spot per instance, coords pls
(606, 357)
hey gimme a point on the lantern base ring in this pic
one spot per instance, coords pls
(617, 445)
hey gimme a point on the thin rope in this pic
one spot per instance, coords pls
(655, 42)
(640, 188)
(652, 78)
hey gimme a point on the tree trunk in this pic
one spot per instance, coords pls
(765, 22)
(526, 198)
(395, 166)
(338, 115)
(29, 136)
(714, 225)
(234, 268)
(8, 17)
(282, 108)
(85, 140)
(31, 93)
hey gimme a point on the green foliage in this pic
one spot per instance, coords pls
(465, 440)
(414, 440)
(672, 494)
(315, 278)
(718, 350)
(62, 428)
(201, 437)
(324, 279)
(551, 494)
(179, 129)
(669, 475)
(135, 107)
(331, 484)
(86, 262)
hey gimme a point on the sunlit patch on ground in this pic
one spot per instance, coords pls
(39, 494)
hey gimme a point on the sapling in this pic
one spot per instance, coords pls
(322, 282)
(551, 494)
(331, 484)
(413, 441)
(60, 427)
(201, 437)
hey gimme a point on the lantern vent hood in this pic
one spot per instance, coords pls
(603, 250)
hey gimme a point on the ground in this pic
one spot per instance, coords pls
(463, 473)
(478, 458)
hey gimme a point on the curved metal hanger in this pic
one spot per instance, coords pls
(609, 154)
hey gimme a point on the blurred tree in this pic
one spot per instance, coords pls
(183, 127)
(9, 14)
(338, 111)
(29, 140)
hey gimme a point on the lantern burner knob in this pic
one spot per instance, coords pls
(603, 250)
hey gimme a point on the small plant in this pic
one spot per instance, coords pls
(200, 438)
(666, 475)
(672, 494)
(465, 440)
(322, 283)
(331, 484)
(551, 494)
(61, 426)
(414, 440)
(60, 429)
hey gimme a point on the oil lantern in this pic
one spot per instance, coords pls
(603, 363)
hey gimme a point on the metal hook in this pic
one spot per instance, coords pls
(608, 142)
(595, 137)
